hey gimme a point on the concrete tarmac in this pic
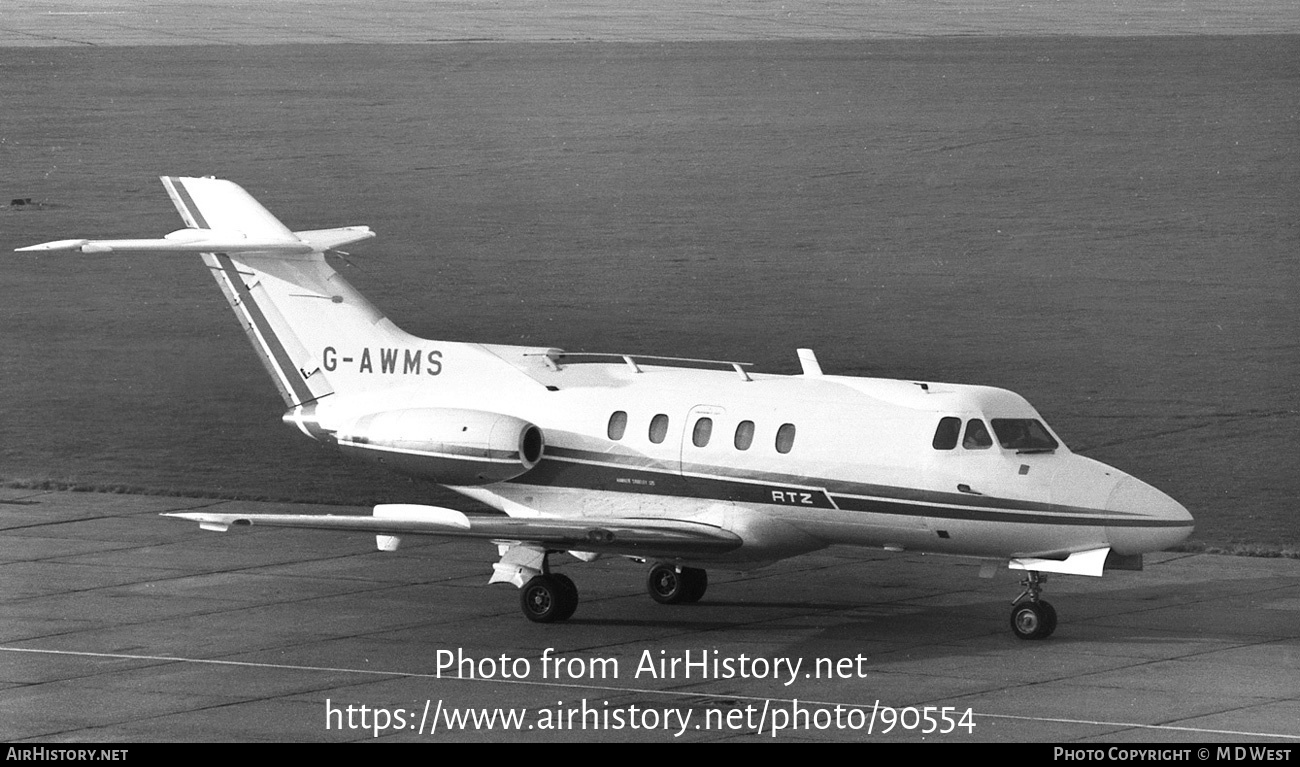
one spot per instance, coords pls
(120, 625)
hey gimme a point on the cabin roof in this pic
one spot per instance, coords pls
(727, 381)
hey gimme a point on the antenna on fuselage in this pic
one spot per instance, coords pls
(808, 361)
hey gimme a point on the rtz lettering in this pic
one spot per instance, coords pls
(387, 361)
(793, 496)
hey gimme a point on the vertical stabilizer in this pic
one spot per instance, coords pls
(300, 314)
(315, 334)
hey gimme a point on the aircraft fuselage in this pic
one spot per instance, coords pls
(841, 460)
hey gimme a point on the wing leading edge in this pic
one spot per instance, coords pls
(625, 535)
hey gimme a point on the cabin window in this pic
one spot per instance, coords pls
(703, 430)
(977, 435)
(785, 438)
(1024, 434)
(744, 435)
(658, 428)
(945, 437)
(617, 425)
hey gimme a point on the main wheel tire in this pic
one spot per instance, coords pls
(1049, 616)
(547, 599)
(697, 582)
(571, 595)
(666, 585)
(1033, 620)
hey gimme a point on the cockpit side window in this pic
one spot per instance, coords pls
(977, 435)
(945, 437)
(1024, 435)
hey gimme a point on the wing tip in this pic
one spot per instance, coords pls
(216, 522)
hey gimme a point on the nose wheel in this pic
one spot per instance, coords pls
(1033, 620)
(1032, 617)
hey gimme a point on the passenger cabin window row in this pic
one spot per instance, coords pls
(1025, 435)
(743, 438)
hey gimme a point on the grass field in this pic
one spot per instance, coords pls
(1107, 226)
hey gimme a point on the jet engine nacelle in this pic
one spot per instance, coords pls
(449, 446)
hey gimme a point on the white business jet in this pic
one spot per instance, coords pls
(682, 463)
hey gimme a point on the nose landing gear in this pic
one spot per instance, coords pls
(1032, 617)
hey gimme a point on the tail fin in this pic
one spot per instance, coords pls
(316, 335)
(290, 302)
(302, 317)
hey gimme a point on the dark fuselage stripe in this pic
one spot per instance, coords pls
(836, 488)
(438, 450)
(592, 475)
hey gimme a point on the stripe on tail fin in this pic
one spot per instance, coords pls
(285, 359)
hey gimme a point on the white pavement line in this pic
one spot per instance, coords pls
(616, 689)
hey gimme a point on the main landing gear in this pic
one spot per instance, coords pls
(1032, 617)
(551, 597)
(669, 585)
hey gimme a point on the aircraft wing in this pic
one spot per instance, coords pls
(623, 535)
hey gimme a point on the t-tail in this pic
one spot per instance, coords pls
(288, 299)
(345, 371)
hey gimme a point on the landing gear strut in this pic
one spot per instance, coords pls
(669, 585)
(1032, 617)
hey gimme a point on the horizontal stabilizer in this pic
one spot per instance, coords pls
(56, 245)
(322, 240)
(217, 241)
(613, 536)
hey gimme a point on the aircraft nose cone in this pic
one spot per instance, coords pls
(1149, 521)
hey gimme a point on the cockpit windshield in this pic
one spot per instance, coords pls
(1024, 435)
